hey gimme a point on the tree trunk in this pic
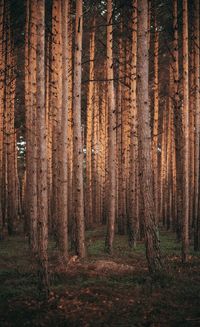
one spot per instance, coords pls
(197, 130)
(63, 222)
(111, 132)
(56, 110)
(42, 212)
(1, 112)
(156, 117)
(32, 128)
(185, 221)
(133, 218)
(144, 137)
(90, 102)
(77, 137)
(177, 122)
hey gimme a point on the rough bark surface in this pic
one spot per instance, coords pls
(144, 136)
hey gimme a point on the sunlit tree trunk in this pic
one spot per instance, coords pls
(111, 132)
(185, 221)
(163, 168)
(133, 218)
(77, 137)
(144, 136)
(103, 151)
(197, 129)
(8, 151)
(95, 145)
(149, 23)
(42, 212)
(26, 103)
(177, 120)
(120, 141)
(56, 104)
(98, 158)
(156, 117)
(125, 141)
(49, 124)
(90, 106)
(192, 130)
(1, 111)
(70, 132)
(12, 177)
(32, 128)
(63, 222)
(7, 99)
(168, 191)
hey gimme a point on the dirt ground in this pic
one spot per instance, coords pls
(101, 290)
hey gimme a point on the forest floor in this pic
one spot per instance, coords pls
(101, 290)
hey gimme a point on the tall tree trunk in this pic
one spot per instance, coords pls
(197, 129)
(185, 221)
(119, 211)
(56, 89)
(32, 128)
(156, 117)
(77, 137)
(27, 128)
(42, 152)
(133, 218)
(95, 142)
(144, 136)
(163, 168)
(111, 132)
(177, 121)
(63, 221)
(1, 111)
(70, 123)
(90, 102)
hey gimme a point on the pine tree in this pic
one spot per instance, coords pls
(144, 136)
(111, 132)
(42, 212)
(77, 135)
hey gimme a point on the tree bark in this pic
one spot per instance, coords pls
(144, 136)
(156, 117)
(63, 222)
(42, 212)
(197, 129)
(185, 221)
(133, 218)
(90, 102)
(1, 112)
(77, 137)
(178, 126)
(111, 132)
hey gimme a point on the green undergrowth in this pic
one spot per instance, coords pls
(85, 297)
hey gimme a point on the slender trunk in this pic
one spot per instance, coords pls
(56, 90)
(144, 136)
(63, 223)
(133, 218)
(70, 122)
(111, 132)
(197, 130)
(185, 221)
(156, 117)
(90, 102)
(32, 131)
(163, 168)
(177, 121)
(42, 213)
(120, 142)
(77, 137)
(1, 111)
